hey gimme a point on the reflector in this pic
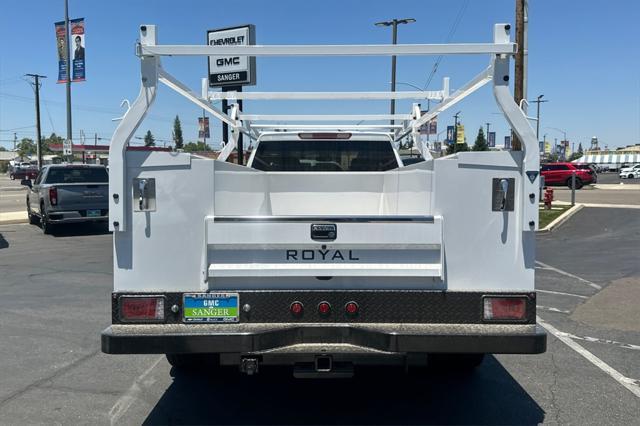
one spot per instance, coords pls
(505, 308)
(142, 308)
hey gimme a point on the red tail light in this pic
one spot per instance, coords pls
(142, 308)
(505, 308)
(296, 309)
(53, 196)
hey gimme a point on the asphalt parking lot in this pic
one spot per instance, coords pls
(55, 302)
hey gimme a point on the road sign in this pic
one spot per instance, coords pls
(232, 70)
(67, 147)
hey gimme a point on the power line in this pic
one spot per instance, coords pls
(452, 31)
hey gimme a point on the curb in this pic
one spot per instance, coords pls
(9, 218)
(12, 188)
(561, 219)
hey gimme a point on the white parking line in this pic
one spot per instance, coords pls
(561, 293)
(568, 274)
(124, 402)
(630, 384)
(547, 308)
(604, 341)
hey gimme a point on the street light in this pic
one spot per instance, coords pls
(455, 127)
(538, 101)
(394, 24)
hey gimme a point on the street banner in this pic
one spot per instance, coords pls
(430, 127)
(492, 139)
(507, 142)
(203, 128)
(449, 134)
(547, 147)
(460, 134)
(61, 40)
(77, 45)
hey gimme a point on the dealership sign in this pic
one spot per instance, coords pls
(232, 70)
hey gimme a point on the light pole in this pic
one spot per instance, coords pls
(488, 124)
(538, 101)
(394, 24)
(564, 141)
(455, 127)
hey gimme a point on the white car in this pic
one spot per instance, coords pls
(630, 172)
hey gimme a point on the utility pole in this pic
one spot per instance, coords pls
(36, 86)
(538, 101)
(204, 127)
(519, 89)
(394, 40)
(488, 124)
(455, 128)
(15, 140)
(68, 56)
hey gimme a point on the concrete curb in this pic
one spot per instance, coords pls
(561, 219)
(12, 188)
(8, 218)
(618, 187)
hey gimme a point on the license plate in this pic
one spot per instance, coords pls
(93, 213)
(210, 307)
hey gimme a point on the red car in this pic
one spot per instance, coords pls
(23, 173)
(560, 174)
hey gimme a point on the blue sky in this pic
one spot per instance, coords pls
(584, 57)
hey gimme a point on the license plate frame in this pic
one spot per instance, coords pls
(93, 213)
(210, 307)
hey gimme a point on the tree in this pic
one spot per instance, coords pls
(26, 147)
(53, 139)
(452, 148)
(196, 146)
(178, 141)
(149, 140)
(2, 148)
(481, 142)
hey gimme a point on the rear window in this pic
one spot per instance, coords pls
(78, 175)
(324, 156)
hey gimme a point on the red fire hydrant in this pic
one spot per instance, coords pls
(548, 198)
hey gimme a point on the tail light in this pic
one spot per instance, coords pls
(136, 308)
(296, 309)
(505, 308)
(53, 196)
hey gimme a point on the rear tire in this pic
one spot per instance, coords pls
(193, 362)
(33, 219)
(631, 176)
(579, 183)
(47, 228)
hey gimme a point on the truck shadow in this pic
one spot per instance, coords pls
(79, 229)
(384, 396)
(3, 243)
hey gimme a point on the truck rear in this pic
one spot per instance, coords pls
(324, 252)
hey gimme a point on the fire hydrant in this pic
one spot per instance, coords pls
(548, 198)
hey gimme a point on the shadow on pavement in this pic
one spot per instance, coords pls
(3, 243)
(375, 396)
(78, 229)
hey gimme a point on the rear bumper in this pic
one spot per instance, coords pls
(74, 216)
(386, 338)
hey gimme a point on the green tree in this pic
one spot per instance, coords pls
(2, 148)
(26, 147)
(53, 139)
(178, 141)
(481, 142)
(149, 140)
(457, 147)
(196, 146)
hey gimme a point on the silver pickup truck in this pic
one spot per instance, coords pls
(68, 194)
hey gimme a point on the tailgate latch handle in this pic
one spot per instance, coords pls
(142, 200)
(504, 186)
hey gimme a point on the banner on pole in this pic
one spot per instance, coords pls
(430, 127)
(492, 139)
(449, 134)
(507, 142)
(203, 127)
(77, 38)
(61, 41)
(460, 134)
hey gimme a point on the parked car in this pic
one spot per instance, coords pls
(29, 172)
(630, 172)
(560, 174)
(68, 194)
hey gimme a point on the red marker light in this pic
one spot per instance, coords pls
(53, 196)
(351, 308)
(296, 308)
(324, 308)
(505, 308)
(142, 308)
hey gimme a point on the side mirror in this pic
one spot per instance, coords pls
(26, 182)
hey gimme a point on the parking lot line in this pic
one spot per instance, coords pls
(630, 384)
(561, 293)
(131, 395)
(550, 309)
(568, 274)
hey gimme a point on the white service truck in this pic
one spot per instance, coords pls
(324, 251)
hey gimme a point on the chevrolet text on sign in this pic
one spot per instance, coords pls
(232, 70)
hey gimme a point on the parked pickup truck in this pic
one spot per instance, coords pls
(68, 194)
(324, 251)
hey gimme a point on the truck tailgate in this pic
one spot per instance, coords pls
(80, 196)
(392, 246)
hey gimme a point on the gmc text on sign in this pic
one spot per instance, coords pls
(232, 70)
